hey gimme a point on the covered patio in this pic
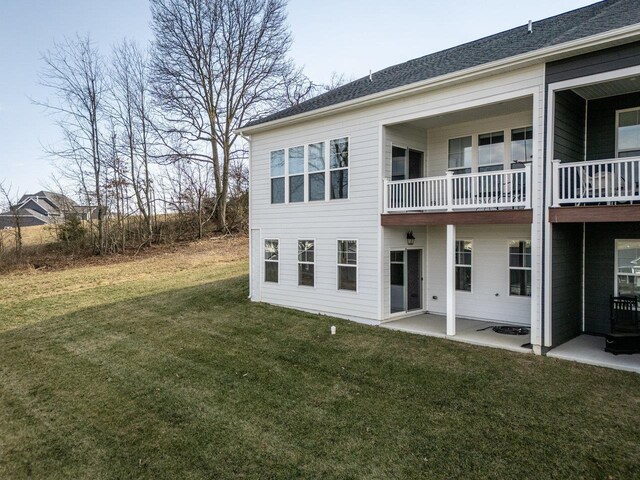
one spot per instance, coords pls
(475, 332)
(589, 349)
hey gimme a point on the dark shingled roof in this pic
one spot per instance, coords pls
(583, 22)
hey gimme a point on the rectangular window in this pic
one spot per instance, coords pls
(339, 168)
(316, 168)
(520, 268)
(271, 261)
(464, 250)
(521, 146)
(628, 136)
(296, 174)
(628, 267)
(306, 262)
(490, 151)
(277, 176)
(460, 154)
(347, 265)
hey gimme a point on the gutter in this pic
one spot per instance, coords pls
(555, 52)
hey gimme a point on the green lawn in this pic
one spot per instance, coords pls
(160, 368)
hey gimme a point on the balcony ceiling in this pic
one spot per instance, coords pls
(609, 89)
(473, 114)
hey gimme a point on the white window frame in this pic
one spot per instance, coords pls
(330, 170)
(308, 172)
(302, 174)
(474, 154)
(615, 262)
(301, 262)
(264, 260)
(475, 146)
(510, 149)
(284, 175)
(338, 265)
(504, 150)
(509, 267)
(470, 266)
(618, 112)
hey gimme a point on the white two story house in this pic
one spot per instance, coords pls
(494, 183)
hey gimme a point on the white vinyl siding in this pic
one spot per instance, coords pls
(358, 216)
(489, 299)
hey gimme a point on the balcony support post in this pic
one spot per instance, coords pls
(451, 279)
(528, 181)
(385, 194)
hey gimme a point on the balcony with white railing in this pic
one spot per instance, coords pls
(602, 182)
(505, 189)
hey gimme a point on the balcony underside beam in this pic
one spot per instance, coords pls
(475, 217)
(595, 213)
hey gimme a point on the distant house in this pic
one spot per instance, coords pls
(44, 208)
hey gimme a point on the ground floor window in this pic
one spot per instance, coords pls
(271, 260)
(306, 262)
(347, 265)
(464, 249)
(628, 267)
(520, 268)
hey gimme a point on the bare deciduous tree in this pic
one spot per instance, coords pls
(11, 202)
(74, 72)
(216, 65)
(132, 110)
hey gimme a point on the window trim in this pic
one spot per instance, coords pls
(509, 267)
(298, 262)
(264, 260)
(615, 261)
(504, 149)
(284, 176)
(356, 266)
(456, 265)
(474, 152)
(618, 112)
(475, 155)
(327, 172)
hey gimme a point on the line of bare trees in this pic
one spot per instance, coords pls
(149, 133)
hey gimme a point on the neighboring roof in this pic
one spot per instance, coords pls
(55, 199)
(576, 24)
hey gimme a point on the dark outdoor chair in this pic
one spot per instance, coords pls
(624, 314)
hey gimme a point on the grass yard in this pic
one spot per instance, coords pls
(160, 368)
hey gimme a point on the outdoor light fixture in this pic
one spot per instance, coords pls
(410, 238)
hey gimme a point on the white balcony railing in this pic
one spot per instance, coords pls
(598, 181)
(497, 189)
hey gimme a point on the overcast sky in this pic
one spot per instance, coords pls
(343, 36)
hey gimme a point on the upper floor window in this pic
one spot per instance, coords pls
(628, 138)
(520, 267)
(296, 174)
(490, 151)
(339, 168)
(521, 146)
(316, 168)
(460, 154)
(277, 176)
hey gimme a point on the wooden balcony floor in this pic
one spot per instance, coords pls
(473, 217)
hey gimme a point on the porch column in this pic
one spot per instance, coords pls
(451, 279)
